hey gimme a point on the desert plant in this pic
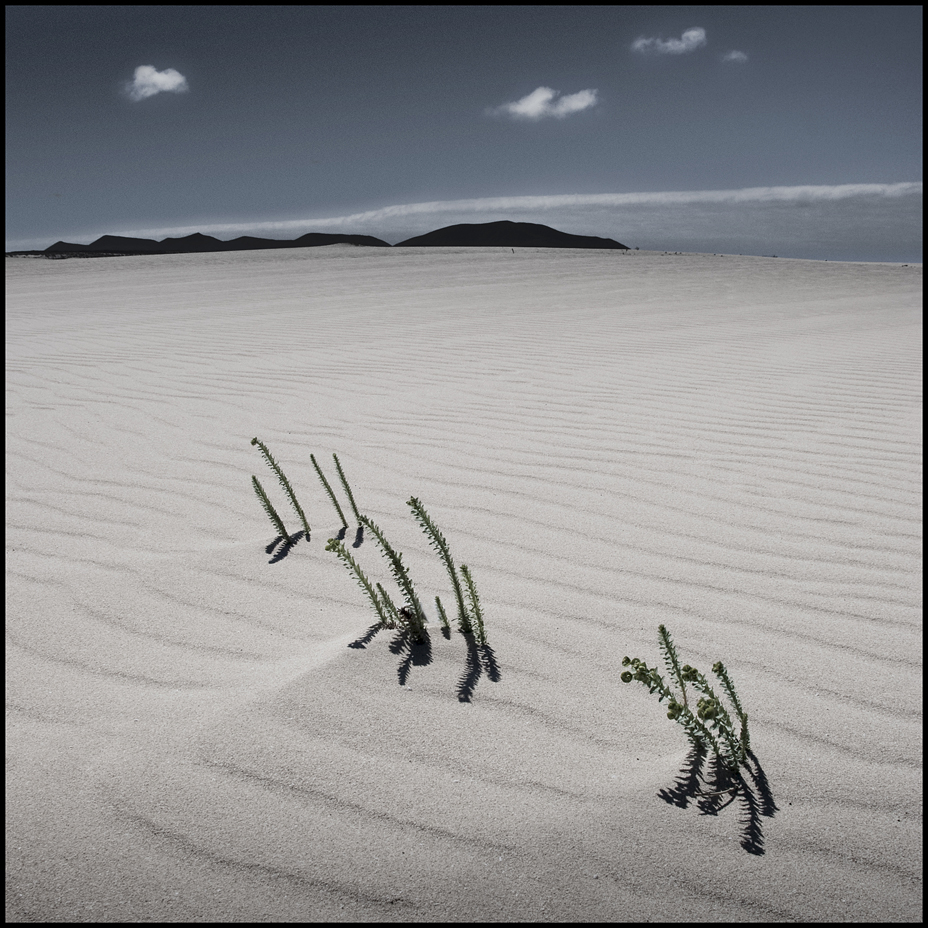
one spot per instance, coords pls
(396, 617)
(476, 613)
(328, 489)
(266, 504)
(438, 542)
(385, 609)
(444, 618)
(344, 480)
(284, 482)
(414, 615)
(710, 726)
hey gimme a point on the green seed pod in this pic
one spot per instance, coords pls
(627, 677)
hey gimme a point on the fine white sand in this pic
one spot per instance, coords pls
(730, 446)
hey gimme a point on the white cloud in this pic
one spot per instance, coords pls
(688, 42)
(735, 56)
(541, 103)
(147, 82)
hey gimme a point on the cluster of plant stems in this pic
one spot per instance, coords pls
(409, 616)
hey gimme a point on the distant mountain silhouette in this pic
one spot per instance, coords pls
(510, 235)
(505, 233)
(198, 243)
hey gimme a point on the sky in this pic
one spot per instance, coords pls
(794, 131)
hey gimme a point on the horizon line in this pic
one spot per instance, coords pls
(805, 193)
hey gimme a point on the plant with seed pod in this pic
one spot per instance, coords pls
(710, 726)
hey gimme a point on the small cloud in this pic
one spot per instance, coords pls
(688, 42)
(541, 103)
(735, 56)
(147, 82)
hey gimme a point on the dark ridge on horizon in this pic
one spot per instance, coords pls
(509, 235)
(198, 243)
(504, 233)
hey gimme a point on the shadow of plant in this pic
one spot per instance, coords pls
(480, 659)
(364, 640)
(284, 548)
(720, 787)
(415, 653)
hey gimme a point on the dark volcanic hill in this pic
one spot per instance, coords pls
(509, 234)
(198, 243)
(505, 233)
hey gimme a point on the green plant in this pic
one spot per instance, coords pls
(396, 618)
(284, 482)
(438, 542)
(710, 726)
(328, 489)
(476, 613)
(385, 609)
(276, 521)
(413, 613)
(441, 615)
(344, 480)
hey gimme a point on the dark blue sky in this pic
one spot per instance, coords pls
(282, 120)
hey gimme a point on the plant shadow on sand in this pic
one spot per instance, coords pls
(480, 658)
(725, 787)
(414, 653)
(285, 546)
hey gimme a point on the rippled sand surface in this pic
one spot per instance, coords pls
(202, 724)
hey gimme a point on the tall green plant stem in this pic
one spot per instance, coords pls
(344, 480)
(276, 521)
(328, 489)
(476, 613)
(438, 542)
(284, 482)
(415, 613)
(342, 552)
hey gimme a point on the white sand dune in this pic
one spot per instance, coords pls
(730, 446)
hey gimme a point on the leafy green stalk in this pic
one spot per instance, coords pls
(476, 613)
(394, 613)
(437, 541)
(276, 521)
(415, 613)
(328, 489)
(284, 482)
(441, 614)
(344, 480)
(719, 670)
(342, 552)
(671, 661)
